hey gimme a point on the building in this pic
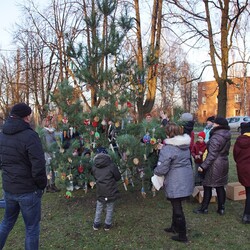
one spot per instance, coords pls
(238, 98)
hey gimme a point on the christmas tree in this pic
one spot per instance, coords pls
(81, 134)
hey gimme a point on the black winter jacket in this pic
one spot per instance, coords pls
(106, 174)
(21, 158)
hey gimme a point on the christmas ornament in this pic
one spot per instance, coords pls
(65, 119)
(86, 122)
(68, 195)
(129, 105)
(70, 177)
(63, 176)
(96, 119)
(136, 161)
(94, 124)
(146, 138)
(71, 130)
(97, 135)
(80, 169)
(152, 141)
(126, 181)
(92, 184)
(104, 122)
(117, 124)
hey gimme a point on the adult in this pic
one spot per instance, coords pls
(187, 121)
(175, 165)
(241, 155)
(49, 141)
(208, 128)
(23, 175)
(216, 165)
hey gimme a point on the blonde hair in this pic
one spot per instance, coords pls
(172, 129)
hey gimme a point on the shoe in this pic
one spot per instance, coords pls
(221, 211)
(55, 188)
(200, 211)
(246, 219)
(170, 230)
(180, 238)
(96, 226)
(107, 227)
(49, 189)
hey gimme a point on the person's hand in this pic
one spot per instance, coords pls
(159, 146)
(200, 169)
(162, 115)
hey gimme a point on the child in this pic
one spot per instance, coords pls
(197, 152)
(106, 174)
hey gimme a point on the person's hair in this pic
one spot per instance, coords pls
(172, 129)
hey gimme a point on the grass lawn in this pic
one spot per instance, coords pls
(138, 223)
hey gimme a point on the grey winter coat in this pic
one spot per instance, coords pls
(106, 174)
(174, 163)
(216, 164)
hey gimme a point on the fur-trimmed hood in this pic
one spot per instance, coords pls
(179, 140)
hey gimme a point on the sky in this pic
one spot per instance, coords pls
(9, 13)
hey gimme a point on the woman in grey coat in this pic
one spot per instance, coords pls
(175, 165)
(216, 165)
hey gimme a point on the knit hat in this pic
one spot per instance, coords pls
(20, 110)
(245, 127)
(186, 117)
(202, 134)
(221, 121)
(210, 119)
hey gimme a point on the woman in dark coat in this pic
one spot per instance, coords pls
(216, 165)
(241, 155)
(175, 165)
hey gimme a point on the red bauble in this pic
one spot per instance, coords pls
(94, 124)
(86, 122)
(80, 169)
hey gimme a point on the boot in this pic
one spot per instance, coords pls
(221, 210)
(56, 189)
(221, 197)
(173, 228)
(200, 210)
(246, 219)
(203, 209)
(49, 189)
(180, 237)
(181, 228)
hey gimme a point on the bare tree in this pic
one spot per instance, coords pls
(212, 23)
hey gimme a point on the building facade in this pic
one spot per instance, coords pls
(238, 99)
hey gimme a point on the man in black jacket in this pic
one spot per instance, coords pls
(23, 175)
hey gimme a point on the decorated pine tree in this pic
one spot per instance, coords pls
(80, 134)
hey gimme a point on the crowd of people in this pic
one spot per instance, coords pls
(26, 171)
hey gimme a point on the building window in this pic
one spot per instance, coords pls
(204, 113)
(203, 100)
(237, 112)
(237, 98)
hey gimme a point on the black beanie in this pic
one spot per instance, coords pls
(210, 118)
(221, 121)
(245, 127)
(20, 110)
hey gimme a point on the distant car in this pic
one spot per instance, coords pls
(235, 121)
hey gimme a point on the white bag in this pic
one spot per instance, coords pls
(157, 181)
